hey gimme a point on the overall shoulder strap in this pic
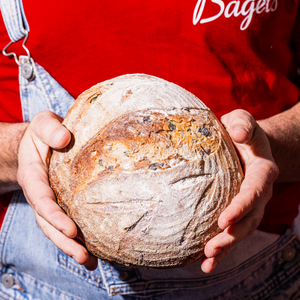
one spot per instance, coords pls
(14, 18)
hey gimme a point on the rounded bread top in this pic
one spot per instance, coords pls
(147, 173)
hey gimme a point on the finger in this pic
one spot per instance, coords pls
(235, 233)
(42, 200)
(240, 124)
(256, 188)
(47, 127)
(69, 246)
(208, 264)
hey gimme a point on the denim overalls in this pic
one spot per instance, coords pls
(263, 266)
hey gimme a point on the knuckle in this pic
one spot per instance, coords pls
(244, 208)
(272, 169)
(39, 117)
(43, 114)
(251, 198)
(275, 171)
(256, 196)
(244, 121)
(254, 224)
(37, 203)
(35, 206)
(255, 220)
(245, 116)
(45, 126)
(263, 196)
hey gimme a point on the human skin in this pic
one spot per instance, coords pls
(10, 137)
(240, 219)
(246, 210)
(282, 131)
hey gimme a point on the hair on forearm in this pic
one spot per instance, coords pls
(10, 137)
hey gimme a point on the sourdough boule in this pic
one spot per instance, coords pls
(147, 173)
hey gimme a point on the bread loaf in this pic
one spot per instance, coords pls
(147, 173)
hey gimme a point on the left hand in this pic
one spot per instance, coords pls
(246, 210)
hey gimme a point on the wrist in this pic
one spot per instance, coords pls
(10, 138)
(283, 133)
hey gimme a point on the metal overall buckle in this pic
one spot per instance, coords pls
(26, 68)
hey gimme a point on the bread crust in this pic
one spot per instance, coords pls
(147, 173)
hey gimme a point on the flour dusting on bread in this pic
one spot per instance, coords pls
(147, 173)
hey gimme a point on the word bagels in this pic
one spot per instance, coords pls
(235, 9)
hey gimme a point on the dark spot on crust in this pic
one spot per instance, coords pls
(154, 166)
(93, 99)
(146, 119)
(172, 126)
(204, 131)
(160, 164)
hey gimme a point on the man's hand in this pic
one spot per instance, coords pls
(46, 131)
(246, 210)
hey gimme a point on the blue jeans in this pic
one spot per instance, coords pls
(263, 266)
(41, 271)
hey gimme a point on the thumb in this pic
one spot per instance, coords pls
(240, 124)
(47, 127)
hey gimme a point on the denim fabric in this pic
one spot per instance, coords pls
(14, 18)
(41, 271)
(257, 268)
(43, 93)
(35, 262)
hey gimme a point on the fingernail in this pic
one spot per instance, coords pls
(58, 135)
(217, 251)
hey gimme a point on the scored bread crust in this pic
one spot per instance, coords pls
(147, 173)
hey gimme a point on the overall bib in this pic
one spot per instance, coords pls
(263, 266)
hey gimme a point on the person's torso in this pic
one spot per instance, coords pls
(231, 54)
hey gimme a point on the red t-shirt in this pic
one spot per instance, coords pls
(231, 54)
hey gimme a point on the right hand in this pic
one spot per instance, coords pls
(46, 131)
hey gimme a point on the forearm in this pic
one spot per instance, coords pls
(283, 131)
(10, 136)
